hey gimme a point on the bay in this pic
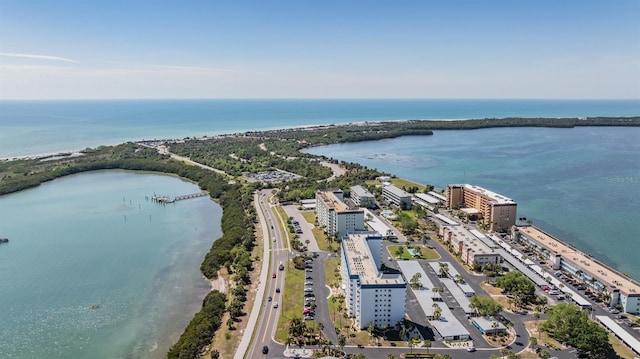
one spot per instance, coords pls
(94, 239)
(581, 185)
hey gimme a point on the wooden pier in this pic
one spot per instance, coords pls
(165, 199)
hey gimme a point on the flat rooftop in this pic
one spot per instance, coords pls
(361, 262)
(498, 198)
(331, 201)
(470, 240)
(361, 191)
(588, 264)
(427, 198)
(397, 191)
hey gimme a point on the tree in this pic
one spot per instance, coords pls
(516, 283)
(437, 311)
(342, 341)
(567, 323)
(415, 281)
(484, 305)
(533, 341)
(444, 269)
(427, 344)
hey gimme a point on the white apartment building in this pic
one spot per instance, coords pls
(371, 296)
(397, 196)
(335, 216)
(362, 197)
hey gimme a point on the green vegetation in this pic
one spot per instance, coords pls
(568, 324)
(201, 329)
(520, 286)
(291, 301)
(332, 272)
(401, 252)
(484, 305)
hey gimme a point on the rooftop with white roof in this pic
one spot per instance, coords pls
(588, 264)
(361, 262)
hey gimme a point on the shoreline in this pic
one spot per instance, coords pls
(443, 124)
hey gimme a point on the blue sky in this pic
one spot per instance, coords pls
(319, 49)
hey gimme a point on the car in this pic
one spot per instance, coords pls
(307, 311)
(308, 283)
(309, 270)
(269, 299)
(309, 277)
(309, 294)
(273, 275)
(277, 290)
(265, 349)
(360, 346)
(275, 305)
(308, 317)
(471, 349)
(307, 290)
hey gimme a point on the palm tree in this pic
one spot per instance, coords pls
(536, 315)
(444, 269)
(427, 344)
(342, 341)
(320, 328)
(437, 311)
(404, 331)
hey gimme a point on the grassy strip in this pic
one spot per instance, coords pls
(291, 301)
(425, 253)
(332, 272)
(620, 348)
(401, 182)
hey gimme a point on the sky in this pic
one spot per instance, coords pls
(135, 49)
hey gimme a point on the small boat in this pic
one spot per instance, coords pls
(4, 240)
(94, 307)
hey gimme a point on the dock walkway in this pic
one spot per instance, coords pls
(165, 199)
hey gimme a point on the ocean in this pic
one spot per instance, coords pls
(71, 246)
(39, 127)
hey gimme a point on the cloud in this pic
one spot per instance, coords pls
(37, 57)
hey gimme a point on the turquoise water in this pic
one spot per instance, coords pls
(93, 239)
(581, 184)
(36, 127)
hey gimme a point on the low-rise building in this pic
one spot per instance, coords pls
(371, 295)
(488, 325)
(362, 197)
(621, 289)
(495, 211)
(471, 249)
(397, 196)
(335, 216)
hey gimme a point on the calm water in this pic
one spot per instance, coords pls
(36, 127)
(582, 184)
(93, 239)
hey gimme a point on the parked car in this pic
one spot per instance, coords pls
(472, 349)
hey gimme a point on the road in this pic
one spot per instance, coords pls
(266, 324)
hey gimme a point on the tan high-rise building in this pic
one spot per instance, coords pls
(494, 210)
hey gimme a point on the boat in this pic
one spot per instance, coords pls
(4, 240)
(94, 307)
